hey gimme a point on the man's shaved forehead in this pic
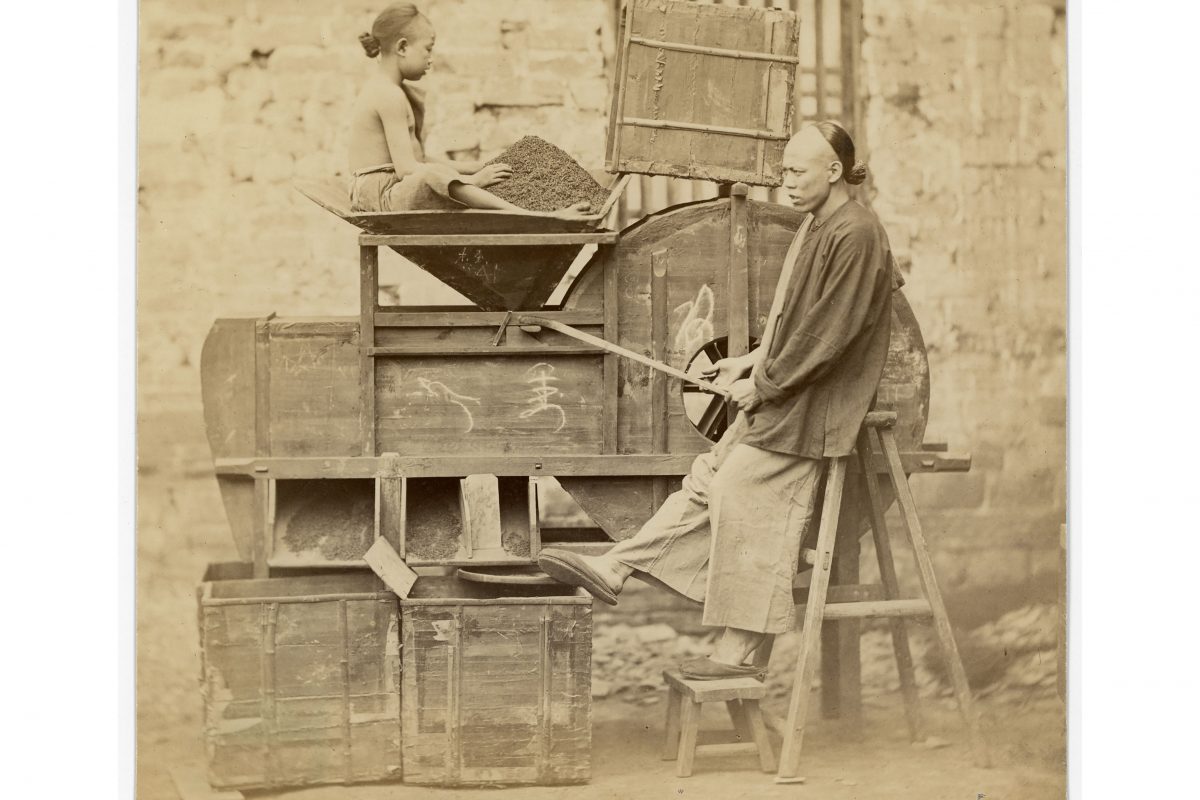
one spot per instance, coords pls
(806, 146)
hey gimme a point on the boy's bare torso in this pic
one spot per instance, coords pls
(368, 145)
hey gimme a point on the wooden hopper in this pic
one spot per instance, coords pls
(500, 277)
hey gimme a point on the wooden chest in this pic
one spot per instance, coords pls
(497, 684)
(300, 678)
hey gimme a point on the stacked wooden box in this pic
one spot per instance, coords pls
(302, 681)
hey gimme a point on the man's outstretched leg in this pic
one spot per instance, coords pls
(671, 549)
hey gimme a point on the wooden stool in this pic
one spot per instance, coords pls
(876, 440)
(684, 701)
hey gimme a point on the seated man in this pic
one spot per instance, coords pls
(730, 538)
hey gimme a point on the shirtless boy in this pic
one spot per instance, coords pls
(386, 142)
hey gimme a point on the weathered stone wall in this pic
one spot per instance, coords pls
(966, 127)
(238, 98)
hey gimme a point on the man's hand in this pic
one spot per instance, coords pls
(744, 393)
(491, 175)
(728, 370)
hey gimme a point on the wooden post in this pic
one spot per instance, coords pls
(262, 385)
(851, 47)
(867, 445)
(368, 298)
(737, 294)
(941, 620)
(819, 53)
(264, 524)
(814, 615)
(611, 365)
(659, 262)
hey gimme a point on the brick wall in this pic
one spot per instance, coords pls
(240, 97)
(966, 127)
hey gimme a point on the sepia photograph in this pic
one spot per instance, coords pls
(602, 399)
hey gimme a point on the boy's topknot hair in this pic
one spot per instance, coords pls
(392, 24)
(370, 44)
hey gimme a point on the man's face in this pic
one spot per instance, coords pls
(810, 168)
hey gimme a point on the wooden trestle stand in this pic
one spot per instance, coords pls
(876, 440)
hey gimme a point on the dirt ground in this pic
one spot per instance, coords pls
(1026, 736)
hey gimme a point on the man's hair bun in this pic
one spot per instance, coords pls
(857, 173)
(370, 44)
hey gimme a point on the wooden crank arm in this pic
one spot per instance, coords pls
(575, 333)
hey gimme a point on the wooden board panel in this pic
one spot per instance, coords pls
(475, 404)
(495, 693)
(314, 387)
(497, 278)
(333, 195)
(300, 681)
(685, 106)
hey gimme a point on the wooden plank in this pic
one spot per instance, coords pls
(747, 55)
(851, 15)
(473, 318)
(659, 265)
(727, 749)
(814, 614)
(867, 443)
(879, 608)
(432, 466)
(722, 130)
(451, 350)
(315, 390)
(535, 524)
(385, 562)
(841, 664)
(611, 367)
(737, 290)
(689, 729)
(228, 375)
(486, 239)
(534, 319)
(819, 54)
(480, 497)
(612, 149)
(264, 524)
(262, 388)
(490, 404)
(844, 593)
(368, 298)
(720, 690)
